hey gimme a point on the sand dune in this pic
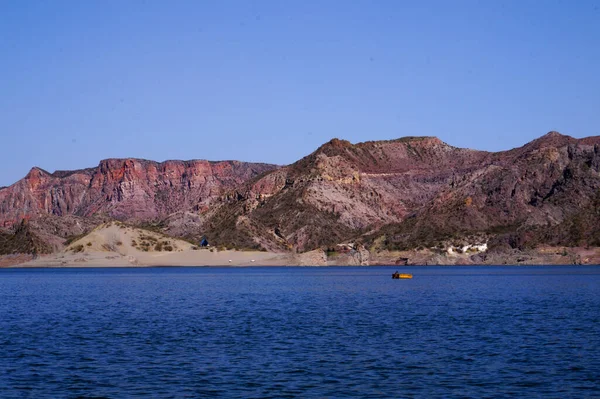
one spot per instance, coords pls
(118, 245)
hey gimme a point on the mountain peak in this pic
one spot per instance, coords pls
(552, 139)
(338, 143)
(553, 134)
(36, 172)
(334, 147)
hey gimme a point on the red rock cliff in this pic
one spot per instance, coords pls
(126, 189)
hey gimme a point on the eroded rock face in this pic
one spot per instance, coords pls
(341, 189)
(125, 189)
(416, 190)
(397, 194)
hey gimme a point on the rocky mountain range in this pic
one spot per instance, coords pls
(404, 194)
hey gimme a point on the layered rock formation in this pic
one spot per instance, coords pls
(414, 192)
(123, 189)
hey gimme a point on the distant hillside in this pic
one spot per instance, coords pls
(123, 189)
(413, 192)
(22, 240)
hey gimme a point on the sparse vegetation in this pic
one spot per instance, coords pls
(77, 248)
(22, 240)
(156, 226)
(516, 204)
(72, 239)
(148, 238)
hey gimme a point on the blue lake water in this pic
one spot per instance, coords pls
(450, 332)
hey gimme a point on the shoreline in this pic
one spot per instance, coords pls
(406, 267)
(241, 259)
(116, 245)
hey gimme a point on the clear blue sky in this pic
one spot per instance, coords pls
(270, 81)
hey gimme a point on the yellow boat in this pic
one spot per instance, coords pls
(401, 275)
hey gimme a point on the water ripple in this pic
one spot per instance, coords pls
(300, 332)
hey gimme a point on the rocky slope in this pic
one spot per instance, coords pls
(342, 190)
(125, 189)
(22, 240)
(415, 192)
(396, 195)
(65, 203)
(510, 194)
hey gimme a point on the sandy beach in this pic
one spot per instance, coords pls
(181, 258)
(115, 244)
(118, 245)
